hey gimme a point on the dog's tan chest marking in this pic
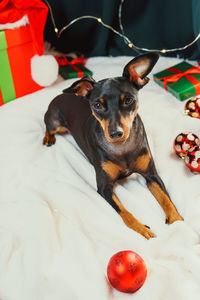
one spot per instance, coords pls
(142, 162)
(113, 170)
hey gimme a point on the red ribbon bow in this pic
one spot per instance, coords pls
(63, 61)
(179, 74)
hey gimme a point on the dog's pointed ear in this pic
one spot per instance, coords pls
(81, 87)
(137, 69)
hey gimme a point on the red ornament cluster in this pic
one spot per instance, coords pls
(126, 271)
(192, 159)
(192, 107)
(183, 142)
(187, 146)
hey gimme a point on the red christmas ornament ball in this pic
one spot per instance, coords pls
(192, 159)
(183, 142)
(192, 107)
(126, 271)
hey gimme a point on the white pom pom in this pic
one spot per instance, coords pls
(44, 69)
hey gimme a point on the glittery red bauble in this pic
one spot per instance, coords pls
(183, 142)
(192, 159)
(126, 271)
(192, 107)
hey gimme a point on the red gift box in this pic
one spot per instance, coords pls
(16, 51)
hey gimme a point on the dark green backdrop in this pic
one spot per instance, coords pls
(148, 23)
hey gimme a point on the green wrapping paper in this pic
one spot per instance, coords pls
(7, 88)
(185, 87)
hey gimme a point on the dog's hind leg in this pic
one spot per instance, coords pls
(53, 126)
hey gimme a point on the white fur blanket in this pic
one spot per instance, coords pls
(57, 234)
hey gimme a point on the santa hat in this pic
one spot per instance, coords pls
(16, 13)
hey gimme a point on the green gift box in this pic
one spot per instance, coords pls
(72, 68)
(74, 71)
(182, 80)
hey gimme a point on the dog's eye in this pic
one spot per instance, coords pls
(76, 89)
(128, 100)
(98, 106)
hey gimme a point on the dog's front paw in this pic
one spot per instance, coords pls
(173, 217)
(49, 140)
(134, 224)
(146, 232)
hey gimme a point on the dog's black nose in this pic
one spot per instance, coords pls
(116, 134)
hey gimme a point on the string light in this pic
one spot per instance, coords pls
(121, 34)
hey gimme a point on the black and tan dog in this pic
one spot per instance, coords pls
(102, 117)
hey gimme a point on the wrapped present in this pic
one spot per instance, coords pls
(181, 80)
(72, 68)
(16, 51)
